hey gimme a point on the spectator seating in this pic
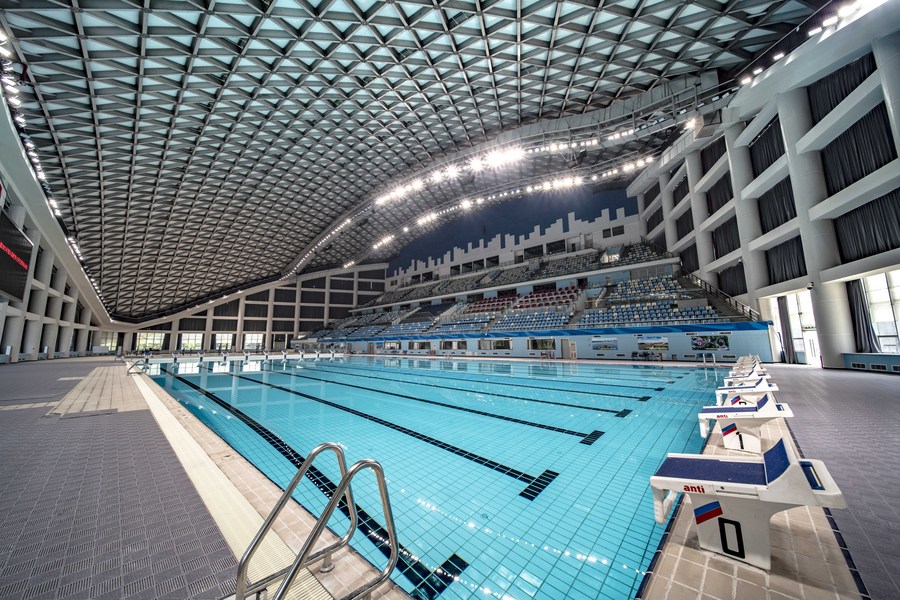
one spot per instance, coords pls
(646, 312)
(531, 320)
(467, 323)
(490, 305)
(652, 287)
(410, 328)
(365, 332)
(560, 298)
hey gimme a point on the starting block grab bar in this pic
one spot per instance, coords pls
(734, 498)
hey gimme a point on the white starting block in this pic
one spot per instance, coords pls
(734, 498)
(731, 394)
(740, 422)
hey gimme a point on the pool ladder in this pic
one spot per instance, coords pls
(244, 589)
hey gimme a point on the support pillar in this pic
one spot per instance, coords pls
(747, 213)
(642, 204)
(820, 249)
(668, 205)
(700, 211)
(887, 57)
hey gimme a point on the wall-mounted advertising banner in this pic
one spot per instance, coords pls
(653, 342)
(709, 342)
(15, 254)
(604, 342)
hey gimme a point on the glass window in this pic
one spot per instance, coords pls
(191, 341)
(223, 341)
(883, 297)
(150, 340)
(109, 339)
(253, 341)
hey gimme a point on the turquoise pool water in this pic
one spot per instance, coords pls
(507, 479)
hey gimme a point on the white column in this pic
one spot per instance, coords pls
(12, 336)
(642, 204)
(668, 204)
(887, 58)
(84, 334)
(830, 305)
(747, 213)
(700, 211)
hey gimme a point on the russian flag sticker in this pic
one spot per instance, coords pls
(736, 399)
(729, 429)
(706, 512)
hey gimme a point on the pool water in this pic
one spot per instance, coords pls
(507, 479)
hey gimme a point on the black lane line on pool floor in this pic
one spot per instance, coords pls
(535, 484)
(432, 583)
(521, 385)
(592, 436)
(617, 413)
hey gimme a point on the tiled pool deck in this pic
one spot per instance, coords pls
(95, 503)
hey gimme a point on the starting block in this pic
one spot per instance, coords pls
(734, 498)
(727, 393)
(741, 421)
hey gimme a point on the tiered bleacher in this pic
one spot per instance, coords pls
(466, 323)
(559, 298)
(417, 321)
(513, 275)
(455, 286)
(569, 264)
(365, 332)
(490, 305)
(646, 312)
(531, 320)
(637, 253)
(652, 287)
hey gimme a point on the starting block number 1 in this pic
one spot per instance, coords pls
(732, 540)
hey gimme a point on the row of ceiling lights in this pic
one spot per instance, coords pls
(562, 182)
(844, 13)
(10, 81)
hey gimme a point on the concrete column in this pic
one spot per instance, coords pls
(208, 333)
(700, 211)
(84, 334)
(830, 305)
(128, 341)
(269, 340)
(239, 335)
(747, 212)
(642, 201)
(65, 339)
(887, 58)
(668, 204)
(32, 338)
(12, 336)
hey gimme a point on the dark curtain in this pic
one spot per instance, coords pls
(660, 241)
(776, 206)
(681, 190)
(786, 261)
(866, 340)
(863, 149)
(710, 155)
(719, 194)
(767, 147)
(655, 219)
(831, 90)
(684, 224)
(870, 229)
(787, 340)
(726, 238)
(689, 261)
(652, 193)
(732, 280)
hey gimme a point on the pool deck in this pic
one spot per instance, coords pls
(111, 489)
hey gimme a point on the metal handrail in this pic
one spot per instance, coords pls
(306, 556)
(241, 587)
(738, 306)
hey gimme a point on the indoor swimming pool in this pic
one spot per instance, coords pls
(507, 479)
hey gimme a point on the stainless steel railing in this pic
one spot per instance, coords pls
(306, 556)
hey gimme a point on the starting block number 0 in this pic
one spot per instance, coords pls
(730, 534)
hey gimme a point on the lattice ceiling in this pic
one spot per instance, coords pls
(197, 146)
